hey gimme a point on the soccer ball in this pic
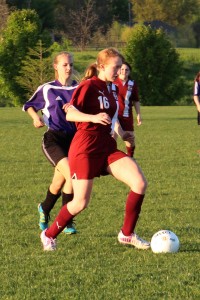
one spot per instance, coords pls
(164, 241)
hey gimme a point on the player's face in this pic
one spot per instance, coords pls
(64, 67)
(109, 71)
(124, 72)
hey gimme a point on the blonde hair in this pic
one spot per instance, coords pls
(102, 58)
(57, 57)
(90, 71)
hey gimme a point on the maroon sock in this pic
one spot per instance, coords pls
(59, 223)
(132, 211)
(130, 151)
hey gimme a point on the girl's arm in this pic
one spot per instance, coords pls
(125, 136)
(37, 120)
(197, 102)
(137, 110)
(74, 115)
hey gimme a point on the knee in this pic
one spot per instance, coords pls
(77, 206)
(140, 185)
(82, 205)
(56, 187)
(144, 184)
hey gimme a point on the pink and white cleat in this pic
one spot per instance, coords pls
(133, 240)
(49, 244)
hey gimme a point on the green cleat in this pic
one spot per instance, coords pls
(70, 228)
(43, 220)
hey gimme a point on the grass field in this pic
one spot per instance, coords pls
(91, 264)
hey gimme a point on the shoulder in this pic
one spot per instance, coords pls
(41, 87)
(86, 84)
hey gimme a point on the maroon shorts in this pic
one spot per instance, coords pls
(90, 154)
(126, 123)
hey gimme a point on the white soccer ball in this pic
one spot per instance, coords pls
(165, 241)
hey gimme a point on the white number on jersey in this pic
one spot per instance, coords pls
(103, 101)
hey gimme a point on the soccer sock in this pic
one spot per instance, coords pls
(132, 211)
(66, 198)
(49, 202)
(60, 222)
(130, 151)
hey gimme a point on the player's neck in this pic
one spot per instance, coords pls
(66, 82)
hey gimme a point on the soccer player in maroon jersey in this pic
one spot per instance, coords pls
(127, 97)
(197, 95)
(50, 98)
(93, 152)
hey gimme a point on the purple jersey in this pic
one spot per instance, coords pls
(197, 88)
(50, 98)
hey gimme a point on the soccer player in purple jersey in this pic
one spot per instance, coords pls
(93, 152)
(50, 98)
(197, 95)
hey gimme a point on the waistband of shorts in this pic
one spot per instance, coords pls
(93, 132)
(60, 132)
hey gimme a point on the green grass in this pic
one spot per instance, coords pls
(84, 59)
(91, 264)
(189, 54)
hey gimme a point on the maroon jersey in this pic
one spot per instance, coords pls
(92, 97)
(127, 95)
(93, 148)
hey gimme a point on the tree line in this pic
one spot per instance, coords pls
(81, 20)
(32, 31)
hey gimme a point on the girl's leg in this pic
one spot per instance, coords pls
(61, 179)
(82, 192)
(63, 168)
(53, 192)
(67, 191)
(127, 171)
(52, 196)
(130, 147)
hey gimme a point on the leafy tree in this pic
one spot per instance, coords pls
(196, 29)
(37, 66)
(156, 66)
(22, 32)
(36, 69)
(45, 10)
(106, 10)
(149, 10)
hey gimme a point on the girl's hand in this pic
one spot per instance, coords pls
(139, 120)
(65, 107)
(101, 118)
(38, 122)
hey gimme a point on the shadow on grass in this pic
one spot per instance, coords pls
(189, 247)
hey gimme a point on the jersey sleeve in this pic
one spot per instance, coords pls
(196, 89)
(36, 101)
(80, 95)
